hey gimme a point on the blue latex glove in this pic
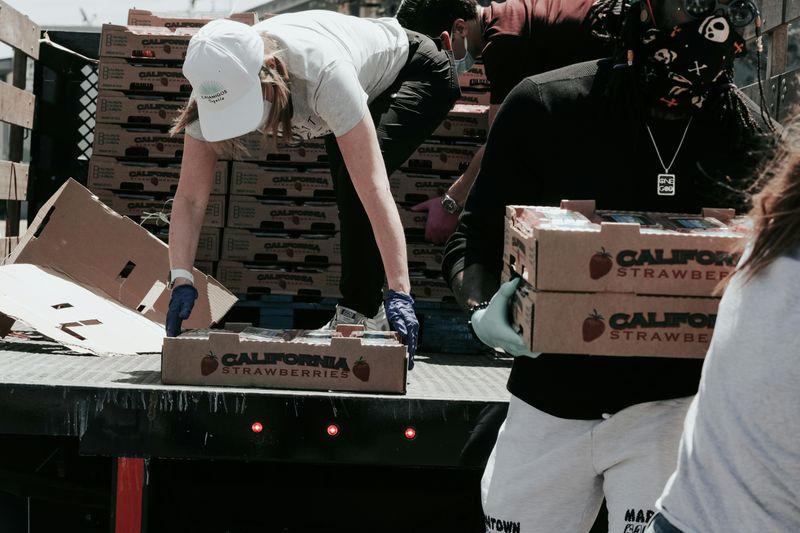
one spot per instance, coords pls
(492, 325)
(180, 307)
(403, 320)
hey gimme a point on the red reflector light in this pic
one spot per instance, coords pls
(257, 427)
(333, 430)
(410, 433)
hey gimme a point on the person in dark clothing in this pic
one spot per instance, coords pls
(515, 39)
(580, 428)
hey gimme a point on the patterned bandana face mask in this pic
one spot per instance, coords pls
(683, 64)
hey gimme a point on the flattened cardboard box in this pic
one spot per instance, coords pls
(117, 141)
(114, 107)
(286, 359)
(256, 180)
(96, 248)
(145, 176)
(163, 44)
(465, 121)
(248, 246)
(267, 149)
(441, 157)
(143, 206)
(118, 74)
(241, 278)
(250, 212)
(144, 17)
(476, 97)
(416, 188)
(614, 323)
(673, 254)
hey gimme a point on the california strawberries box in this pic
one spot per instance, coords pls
(260, 213)
(145, 42)
(349, 359)
(118, 141)
(413, 188)
(258, 180)
(250, 278)
(579, 248)
(120, 74)
(149, 210)
(465, 121)
(443, 157)
(613, 323)
(145, 17)
(253, 245)
(145, 176)
(115, 107)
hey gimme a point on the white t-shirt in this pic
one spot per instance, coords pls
(739, 458)
(337, 64)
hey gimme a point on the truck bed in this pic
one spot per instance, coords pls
(117, 406)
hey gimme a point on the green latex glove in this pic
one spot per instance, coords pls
(492, 325)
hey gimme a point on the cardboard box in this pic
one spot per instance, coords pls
(264, 148)
(144, 17)
(425, 289)
(208, 247)
(114, 107)
(441, 157)
(581, 249)
(465, 121)
(256, 213)
(241, 278)
(614, 323)
(146, 176)
(117, 141)
(248, 246)
(413, 221)
(206, 267)
(108, 255)
(425, 256)
(287, 359)
(151, 211)
(162, 44)
(413, 188)
(118, 74)
(256, 180)
(477, 97)
(474, 78)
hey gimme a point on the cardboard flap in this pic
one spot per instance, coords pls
(620, 230)
(584, 207)
(78, 236)
(722, 214)
(73, 315)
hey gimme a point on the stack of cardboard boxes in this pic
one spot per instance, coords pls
(618, 283)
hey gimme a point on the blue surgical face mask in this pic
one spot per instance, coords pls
(466, 62)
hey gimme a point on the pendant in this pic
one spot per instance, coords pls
(666, 184)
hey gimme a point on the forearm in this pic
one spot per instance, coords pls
(389, 236)
(473, 285)
(459, 190)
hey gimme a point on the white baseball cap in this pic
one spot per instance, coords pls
(222, 64)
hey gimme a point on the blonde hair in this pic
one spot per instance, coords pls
(279, 121)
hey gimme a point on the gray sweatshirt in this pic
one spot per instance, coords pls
(739, 459)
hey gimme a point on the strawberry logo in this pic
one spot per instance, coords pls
(209, 364)
(593, 327)
(361, 369)
(600, 264)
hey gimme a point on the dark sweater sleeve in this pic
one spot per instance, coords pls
(508, 171)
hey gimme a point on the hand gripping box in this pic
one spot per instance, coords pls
(249, 278)
(117, 141)
(613, 323)
(465, 121)
(257, 180)
(106, 274)
(144, 17)
(159, 43)
(441, 157)
(120, 74)
(148, 210)
(258, 213)
(145, 176)
(248, 246)
(114, 107)
(579, 248)
(348, 359)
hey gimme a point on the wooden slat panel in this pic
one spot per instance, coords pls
(16, 106)
(790, 94)
(7, 245)
(13, 181)
(18, 31)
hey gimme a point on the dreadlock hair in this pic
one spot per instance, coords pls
(432, 17)
(279, 121)
(742, 141)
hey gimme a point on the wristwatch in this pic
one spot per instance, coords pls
(450, 205)
(176, 273)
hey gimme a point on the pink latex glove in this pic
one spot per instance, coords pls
(440, 224)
